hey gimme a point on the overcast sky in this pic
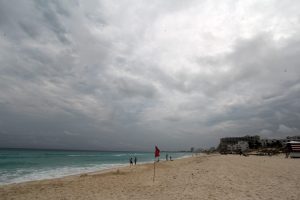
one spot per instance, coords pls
(128, 75)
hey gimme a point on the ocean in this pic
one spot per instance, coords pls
(26, 165)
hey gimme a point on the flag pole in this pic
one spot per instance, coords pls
(156, 155)
(154, 171)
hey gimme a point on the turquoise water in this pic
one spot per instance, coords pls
(26, 165)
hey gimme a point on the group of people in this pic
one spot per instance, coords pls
(131, 160)
(134, 160)
(168, 157)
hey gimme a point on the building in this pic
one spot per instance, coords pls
(269, 142)
(234, 144)
(282, 142)
(237, 144)
(294, 149)
(234, 140)
(240, 146)
(293, 138)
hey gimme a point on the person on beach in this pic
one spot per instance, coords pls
(286, 154)
(171, 158)
(135, 160)
(287, 150)
(167, 157)
(130, 161)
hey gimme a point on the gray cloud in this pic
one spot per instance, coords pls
(129, 75)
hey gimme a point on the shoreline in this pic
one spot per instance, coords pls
(125, 167)
(96, 171)
(198, 177)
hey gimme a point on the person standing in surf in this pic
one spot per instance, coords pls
(130, 161)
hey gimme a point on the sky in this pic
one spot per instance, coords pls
(132, 74)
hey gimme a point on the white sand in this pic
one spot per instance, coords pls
(204, 177)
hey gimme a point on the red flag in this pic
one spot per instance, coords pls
(157, 151)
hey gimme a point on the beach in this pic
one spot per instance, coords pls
(199, 177)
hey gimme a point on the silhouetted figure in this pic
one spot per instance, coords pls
(135, 160)
(167, 157)
(171, 158)
(286, 154)
(287, 150)
(130, 161)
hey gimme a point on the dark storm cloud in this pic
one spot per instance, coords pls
(129, 75)
(263, 84)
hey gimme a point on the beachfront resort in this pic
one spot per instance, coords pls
(288, 145)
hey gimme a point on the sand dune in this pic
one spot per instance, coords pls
(202, 177)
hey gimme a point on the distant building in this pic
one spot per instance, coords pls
(192, 149)
(268, 142)
(293, 138)
(237, 143)
(283, 142)
(238, 147)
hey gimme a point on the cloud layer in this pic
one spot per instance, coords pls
(128, 75)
